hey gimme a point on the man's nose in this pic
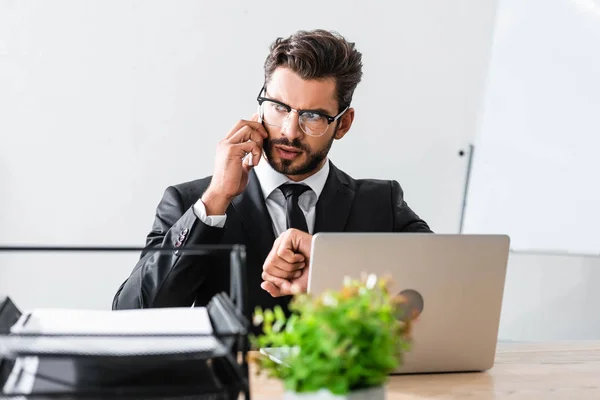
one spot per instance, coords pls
(291, 126)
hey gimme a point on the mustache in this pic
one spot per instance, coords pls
(296, 143)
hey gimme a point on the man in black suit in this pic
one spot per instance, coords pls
(272, 187)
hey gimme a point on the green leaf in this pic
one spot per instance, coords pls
(345, 340)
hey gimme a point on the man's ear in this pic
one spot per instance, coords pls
(344, 124)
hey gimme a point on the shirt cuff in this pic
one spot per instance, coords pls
(218, 221)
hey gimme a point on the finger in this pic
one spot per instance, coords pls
(238, 125)
(258, 126)
(284, 247)
(295, 288)
(287, 255)
(288, 271)
(251, 160)
(254, 125)
(300, 242)
(247, 162)
(245, 134)
(283, 285)
(273, 290)
(241, 149)
(300, 285)
(276, 262)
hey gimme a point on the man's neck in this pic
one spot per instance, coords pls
(270, 179)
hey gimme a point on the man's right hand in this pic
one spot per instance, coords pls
(285, 270)
(230, 175)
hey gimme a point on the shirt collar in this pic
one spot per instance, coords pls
(270, 179)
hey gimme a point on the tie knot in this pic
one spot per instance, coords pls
(293, 190)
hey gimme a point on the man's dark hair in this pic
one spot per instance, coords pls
(319, 54)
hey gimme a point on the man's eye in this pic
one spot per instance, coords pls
(279, 108)
(310, 116)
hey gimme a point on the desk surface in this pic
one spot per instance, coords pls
(564, 370)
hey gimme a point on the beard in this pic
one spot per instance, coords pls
(287, 167)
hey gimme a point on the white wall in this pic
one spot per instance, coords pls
(536, 167)
(105, 103)
(551, 297)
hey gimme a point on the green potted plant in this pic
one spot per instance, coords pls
(340, 345)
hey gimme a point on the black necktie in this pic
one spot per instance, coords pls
(294, 215)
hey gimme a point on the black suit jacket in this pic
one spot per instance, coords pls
(345, 205)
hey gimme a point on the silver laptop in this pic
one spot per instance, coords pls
(454, 282)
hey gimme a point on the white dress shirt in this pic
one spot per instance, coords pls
(270, 180)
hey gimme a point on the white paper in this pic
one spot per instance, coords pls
(111, 346)
(181, 320)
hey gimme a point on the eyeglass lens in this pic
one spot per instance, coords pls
(311, 123)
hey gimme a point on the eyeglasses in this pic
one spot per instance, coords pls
(312, 122)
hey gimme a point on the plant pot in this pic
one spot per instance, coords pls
(374, 393)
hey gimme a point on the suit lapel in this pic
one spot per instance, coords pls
(255, 219)
(335, 202)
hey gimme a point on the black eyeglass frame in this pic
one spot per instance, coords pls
(289, 109)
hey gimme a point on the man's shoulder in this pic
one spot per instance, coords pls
(375, 184)
(373, 191)
(196, 183)
(380, 190)
(368, 184)
(383, 200)
(190, 191)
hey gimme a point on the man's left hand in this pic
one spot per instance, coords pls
(285, 271)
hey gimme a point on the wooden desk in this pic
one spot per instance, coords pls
(548, 371)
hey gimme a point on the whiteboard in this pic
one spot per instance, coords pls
(536, 166)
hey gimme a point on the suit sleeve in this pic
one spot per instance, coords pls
(169, 279)
(405, 219)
